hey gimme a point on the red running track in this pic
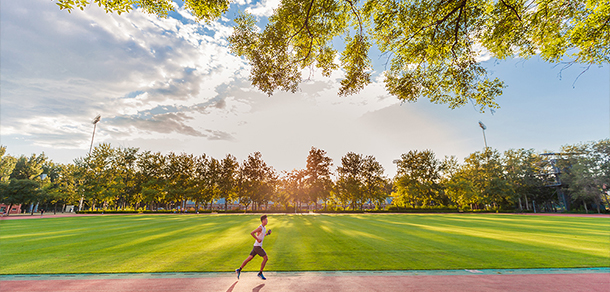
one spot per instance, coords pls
(593, 282)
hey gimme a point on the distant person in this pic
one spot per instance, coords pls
(41, 212)
(259, 235)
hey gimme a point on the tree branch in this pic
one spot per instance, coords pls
(459, 7)
(513, 9)
(457, 29)
(601, 26)
(356, 13)
(305, 24)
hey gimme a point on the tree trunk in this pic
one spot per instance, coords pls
(520, 205)
(8, 211)
(527, 204)
(585, 204)
(597, 203)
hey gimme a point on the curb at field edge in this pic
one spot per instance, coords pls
(35, 277)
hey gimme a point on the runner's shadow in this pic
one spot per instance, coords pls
(232, 287)
(258, 288)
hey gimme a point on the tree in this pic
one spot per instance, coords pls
(289, 189)
(19, 191)
(294, 187)
(212, 180)
(124, 164)
(227, 183)
(318, 175)
(374, 181)
(431, 46)
(601, 155)
(101, 182)
(583, 185)
(588, 172)
(461, 190)
(180, 173)
(257, 181)
(202, 10)
(7, 164)
(151, 178)
(418, 179)
(486, 172)
(50, 183)
(67, 184)
(522, 169)
(349, 180)
(29, 168)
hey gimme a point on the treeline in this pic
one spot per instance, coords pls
(127, 179)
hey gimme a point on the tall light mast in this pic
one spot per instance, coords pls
(94, 122)
(484, 128)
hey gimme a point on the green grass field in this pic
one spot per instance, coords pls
(180, 243)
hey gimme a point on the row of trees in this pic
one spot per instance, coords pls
(578, 176)
(127, 179)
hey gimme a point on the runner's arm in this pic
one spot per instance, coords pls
(255, 232)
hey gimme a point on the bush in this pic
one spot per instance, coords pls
(388, 209)
(107, 212)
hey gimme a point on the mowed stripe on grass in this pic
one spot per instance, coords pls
(199, 243)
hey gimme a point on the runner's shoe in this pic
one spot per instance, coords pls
(260, 275)
(237, 271)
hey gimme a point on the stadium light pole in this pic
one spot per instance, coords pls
(483, 127)
(94, 122)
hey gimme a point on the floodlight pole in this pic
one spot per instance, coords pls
(483, 127)
(94, 122)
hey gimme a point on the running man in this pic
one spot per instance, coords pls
(259, 235)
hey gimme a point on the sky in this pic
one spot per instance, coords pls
(172, 85)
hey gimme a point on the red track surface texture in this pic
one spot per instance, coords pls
(531, 282)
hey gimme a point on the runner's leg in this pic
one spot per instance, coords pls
(264, 262)
(246, 261)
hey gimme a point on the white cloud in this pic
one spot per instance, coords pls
(82, 63)
(243, 2)
(482, 53)
(264, 8)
